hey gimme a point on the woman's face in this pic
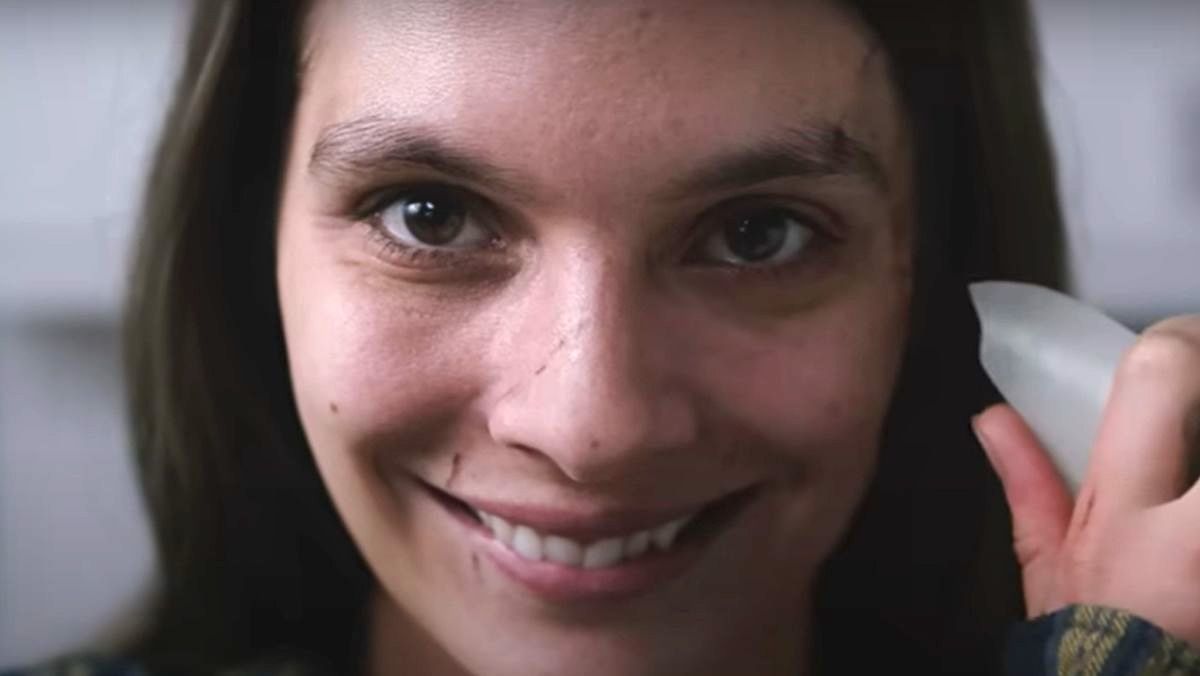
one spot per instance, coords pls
(557, 277)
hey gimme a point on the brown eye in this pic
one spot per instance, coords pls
(431, 220)
(762, 237)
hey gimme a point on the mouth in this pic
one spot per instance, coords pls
(568, 556)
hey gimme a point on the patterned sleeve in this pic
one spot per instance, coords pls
(79, 666)
(1085, 640)
(99, 666)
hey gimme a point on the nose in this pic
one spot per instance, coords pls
(593, 390)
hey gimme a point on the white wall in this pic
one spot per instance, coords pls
(1122, 88)
(83, 85)
(74, 551)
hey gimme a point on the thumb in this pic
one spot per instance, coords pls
(1037, 497)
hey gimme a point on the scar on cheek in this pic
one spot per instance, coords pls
(453, 470)
(562, 342)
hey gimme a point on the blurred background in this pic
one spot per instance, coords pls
(84, 87)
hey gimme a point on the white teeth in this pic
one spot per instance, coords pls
(664, 536)
(562, 550)
(527, 543)
(637, 544)
(532, 545)
(501, 530)
(604, 553)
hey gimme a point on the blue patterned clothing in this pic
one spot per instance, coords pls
(1075, 641)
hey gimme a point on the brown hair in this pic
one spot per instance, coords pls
(256, 564)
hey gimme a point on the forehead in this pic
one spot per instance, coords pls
(535, 78)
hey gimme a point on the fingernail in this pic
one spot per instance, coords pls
(985, 443)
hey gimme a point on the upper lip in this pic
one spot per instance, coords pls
(584, 523)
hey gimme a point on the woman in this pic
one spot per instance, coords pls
(621, 338)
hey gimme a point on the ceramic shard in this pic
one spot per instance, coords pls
(1052, 358)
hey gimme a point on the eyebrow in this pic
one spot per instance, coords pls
(374, 144)
(812, 152)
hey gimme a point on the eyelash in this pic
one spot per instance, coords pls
(826, 231)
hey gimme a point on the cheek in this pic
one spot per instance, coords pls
(816, 390)
(368, 365)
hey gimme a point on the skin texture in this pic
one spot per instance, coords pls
(587, 358)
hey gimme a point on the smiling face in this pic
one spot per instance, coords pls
(593, 312)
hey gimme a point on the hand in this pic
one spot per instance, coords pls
(1131, 539)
